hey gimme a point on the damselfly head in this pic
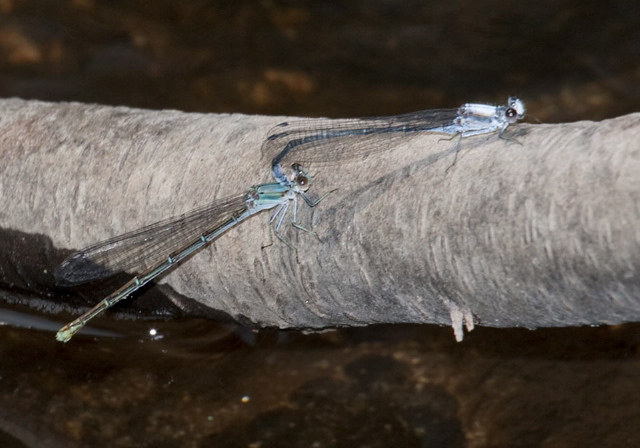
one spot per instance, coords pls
(515, 110)
(300, 177)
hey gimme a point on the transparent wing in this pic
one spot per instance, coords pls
(143, 248)
(327, 141)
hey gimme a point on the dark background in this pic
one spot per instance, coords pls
(197, 383)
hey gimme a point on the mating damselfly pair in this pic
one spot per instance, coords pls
(159, 247)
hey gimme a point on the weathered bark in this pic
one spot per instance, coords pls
(541, 233)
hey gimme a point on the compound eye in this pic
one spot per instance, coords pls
(302, 180)
(300, 177)
(511, 114)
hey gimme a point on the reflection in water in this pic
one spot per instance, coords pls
(29, 320)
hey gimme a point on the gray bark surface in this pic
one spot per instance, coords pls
(539, 232)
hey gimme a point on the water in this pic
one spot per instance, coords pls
(197, 383)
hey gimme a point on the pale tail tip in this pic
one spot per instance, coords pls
(66, 333)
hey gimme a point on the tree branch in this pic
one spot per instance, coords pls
(543, 232)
